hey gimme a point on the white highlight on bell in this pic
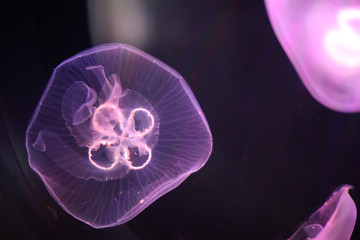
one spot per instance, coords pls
(343, 44)
(127, 21)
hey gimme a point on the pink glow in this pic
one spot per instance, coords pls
(323, 44)
(343, 44)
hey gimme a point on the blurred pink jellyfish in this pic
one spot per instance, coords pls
(115, 130)
(322, 40)
(333, 221)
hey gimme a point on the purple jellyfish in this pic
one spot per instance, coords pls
(115, 130)
(322, 40)
(333, 221)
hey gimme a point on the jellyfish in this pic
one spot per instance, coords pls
(115, 129)
(322, 40)
(334, 220)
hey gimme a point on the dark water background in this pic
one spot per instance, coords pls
(277, 153)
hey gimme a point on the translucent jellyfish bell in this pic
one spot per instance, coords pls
(333, 221)
(114, 130)
(322, 40)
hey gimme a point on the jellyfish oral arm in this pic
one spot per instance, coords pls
(343, 44)
(116, 131)
(117, 134)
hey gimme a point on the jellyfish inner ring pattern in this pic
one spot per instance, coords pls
(120, 136)
(343, 44)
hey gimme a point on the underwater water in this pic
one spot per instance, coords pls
(278, 154)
